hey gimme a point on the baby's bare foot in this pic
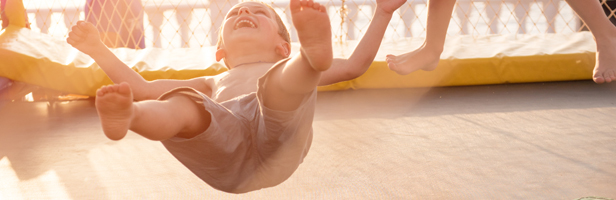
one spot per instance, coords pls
(115, 109)
(422, 58)
(314, 32)
(605, 65)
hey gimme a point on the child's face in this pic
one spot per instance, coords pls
(250, 25)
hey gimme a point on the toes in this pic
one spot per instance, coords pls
(323, 9)
(320, 7)
(111, 88)
(609, 76)
(598, 78)
(390, 58)
(123, 88)
(102, 91)
(309, 3)
(316, 6)
(604, 77)
(295, 5)
(391, 65)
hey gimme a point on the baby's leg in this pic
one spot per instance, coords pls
(314, 32)
(427, 56)
(155, 120)
(286, 86)
(604, 33)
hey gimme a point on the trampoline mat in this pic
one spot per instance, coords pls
(516, 141)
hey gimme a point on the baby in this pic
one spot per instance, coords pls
(242, 130)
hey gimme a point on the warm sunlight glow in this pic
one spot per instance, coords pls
(46, 186)
(29, 97)
(9, 189)
(49, 185)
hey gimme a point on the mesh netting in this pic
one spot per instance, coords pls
(194, 23)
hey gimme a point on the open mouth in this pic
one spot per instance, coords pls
(244, 23)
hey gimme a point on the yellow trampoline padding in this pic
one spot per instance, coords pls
(14, 10)
(40, 59)
(495, 59)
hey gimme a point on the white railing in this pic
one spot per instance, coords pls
(348, 13)
(154, 9)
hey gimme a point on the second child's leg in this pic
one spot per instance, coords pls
(604, 33)
(155, 120)
(288, 85)
(427, 56)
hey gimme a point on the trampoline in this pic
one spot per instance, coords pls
(516, 141)
(459, 132)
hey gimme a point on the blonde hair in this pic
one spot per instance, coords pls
(282, 30)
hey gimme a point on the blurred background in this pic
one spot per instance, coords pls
(194, 23)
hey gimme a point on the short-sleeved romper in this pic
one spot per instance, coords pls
(247, 145)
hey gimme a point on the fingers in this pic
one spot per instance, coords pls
(77, 29)
(87, 26)
(77, 34)
(72, 41)
(82, 31)
(73, 38)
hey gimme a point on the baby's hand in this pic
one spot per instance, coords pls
(85, 37)
(389, 6)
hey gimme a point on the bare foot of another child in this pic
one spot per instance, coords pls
(423, 58)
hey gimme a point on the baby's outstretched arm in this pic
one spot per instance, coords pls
(363, 55)
(85, 37)
(286, 86)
